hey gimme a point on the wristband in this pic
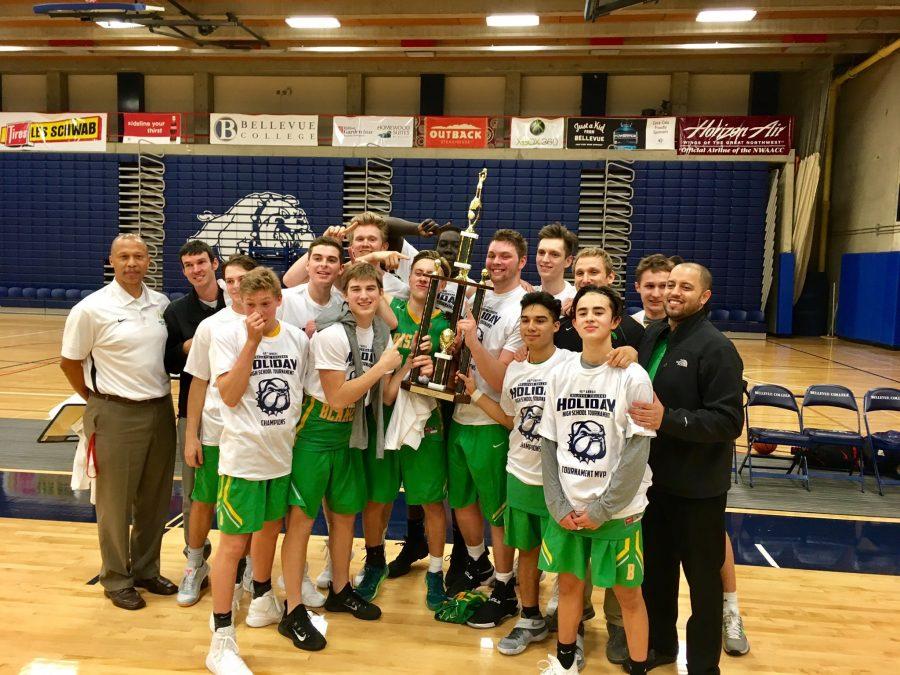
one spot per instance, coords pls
(477, 394)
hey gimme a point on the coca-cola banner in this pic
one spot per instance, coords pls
(757, 135)
(456, 132)
(159, 128)
(608, 133)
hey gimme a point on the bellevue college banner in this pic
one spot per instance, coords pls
(227, 129)
(456, 132)
(759, 135)
(157, 128)
(385, 132)
(58, 132)
(529, 133)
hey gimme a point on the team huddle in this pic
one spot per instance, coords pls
(590, 438)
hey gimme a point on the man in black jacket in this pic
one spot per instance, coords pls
(696, 373)
(182, 316)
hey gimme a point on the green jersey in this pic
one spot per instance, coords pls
(408, 325)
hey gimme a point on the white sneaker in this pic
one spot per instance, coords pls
(553, 602)
(223, 657)
(358, 579)
(324, 579)
(734, 639)
(247, 579)
(552, 666)
(264, 610)
(193, 582)
(310, 594)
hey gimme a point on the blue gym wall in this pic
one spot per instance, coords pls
(58, 212)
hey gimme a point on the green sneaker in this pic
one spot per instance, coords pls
(371, 582)
(435, 595)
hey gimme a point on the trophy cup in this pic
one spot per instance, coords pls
(443, 384)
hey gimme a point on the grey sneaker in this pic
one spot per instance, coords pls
(579, 648)
(616, 645)
(734, 640)
(523, 634)
(193, 582)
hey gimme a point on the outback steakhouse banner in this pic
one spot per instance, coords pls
(759, 135)
(59, 132)
(159, 128)
(612, 133)
(385, 132)
(456, 132)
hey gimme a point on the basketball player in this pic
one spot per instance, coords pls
(302, 305)
(556, 248)
(478, 446)
(650, 277)
(258, 366)
(595, 473)
(351, 353)
(201, 441)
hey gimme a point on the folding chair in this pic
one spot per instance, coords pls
(888, 442)
(834, 396)
(775, 396)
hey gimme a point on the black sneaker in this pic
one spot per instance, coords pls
(458, 558)
(298, 627)
(654, 660)
(412, 551)
(478, 573)
(616, 645)
(502, 605)
(348, 600)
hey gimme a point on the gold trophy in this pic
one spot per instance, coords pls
(443, 384)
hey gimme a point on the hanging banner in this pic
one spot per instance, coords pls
(385, 132)
(608, 133)
(456, 132)
(59, 132)
(228, 129)
(529, 133)
(158, 128)
(660, 133)
(759, 135)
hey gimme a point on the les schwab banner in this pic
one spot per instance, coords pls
(59, 132)
(456, 132)
(157, 128)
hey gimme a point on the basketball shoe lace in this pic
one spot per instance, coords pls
(734, 626)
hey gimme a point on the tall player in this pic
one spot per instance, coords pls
(303, 304)
(477, 445)
(650, 278)
(594, 465)
(258, 366)
(555, 253)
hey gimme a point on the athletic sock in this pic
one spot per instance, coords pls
(195, 557)
(565, 653)
(637, 667)
(435, 563)
(504, 576)
(375, 556)
(260, 588)
(222, 620)
(241, 568)
(475, 551)
(531, 612)
(731, 602)
(415, 529)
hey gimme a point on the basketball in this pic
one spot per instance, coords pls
(764, 448)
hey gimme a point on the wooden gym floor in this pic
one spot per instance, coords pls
(798, 620)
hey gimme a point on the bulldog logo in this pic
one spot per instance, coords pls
(530, 419)
(587, 441)
(273, 396)
(261, 223)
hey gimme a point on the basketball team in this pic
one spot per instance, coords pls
(596, 445)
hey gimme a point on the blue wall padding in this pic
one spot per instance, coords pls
(784, 318)
(869, 298)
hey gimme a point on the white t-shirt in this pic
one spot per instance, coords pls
(258, 433)
(498, 330)
(567, 293)
(199, 364)
(298, 308)
(405, 267)
(121, 342)
(586, 414)
(330, 350)
(522, 398)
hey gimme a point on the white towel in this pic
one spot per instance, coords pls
(407, 425)
(83, 467)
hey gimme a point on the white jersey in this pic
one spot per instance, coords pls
(522, 398)
(405, 268)
(199, 364)
(498, 330)
(586, 415)
(330, 350)
(298, 308)
(567, 293)
(258, 433)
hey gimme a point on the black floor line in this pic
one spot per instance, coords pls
(825, 358)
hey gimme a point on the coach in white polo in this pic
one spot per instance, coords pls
(112, 355)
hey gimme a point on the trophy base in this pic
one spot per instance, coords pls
(436, 391)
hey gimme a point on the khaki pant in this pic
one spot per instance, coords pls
(135, 456)
(187, 479)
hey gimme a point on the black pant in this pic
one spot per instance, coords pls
(689, 532)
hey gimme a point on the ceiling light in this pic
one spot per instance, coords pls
(419, 54)
(12, 48)
(512, 20)
(708, 45)
(118, 24)
(333, 48)
(725, 15)
(312, 22)
(153, 48)
(516, 48)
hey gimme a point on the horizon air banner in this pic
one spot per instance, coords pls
(370, 130)
(723, 135)
(54, 132)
